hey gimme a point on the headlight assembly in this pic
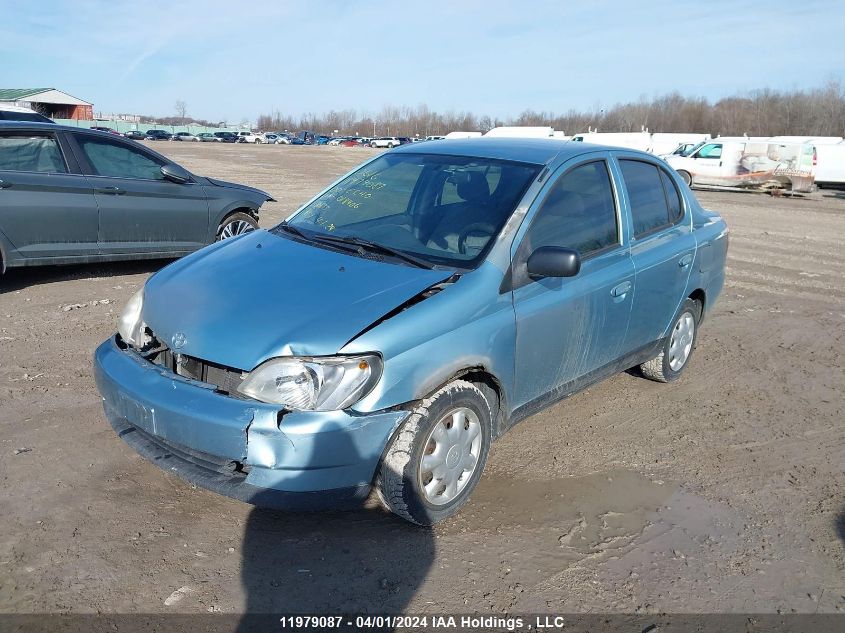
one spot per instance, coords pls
(129, 325)
(329, 383)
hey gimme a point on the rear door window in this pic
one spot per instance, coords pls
(118, 160)
(32, 152)
(652, 206)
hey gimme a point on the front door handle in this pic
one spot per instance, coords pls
(4, 184)
(111, 191)
(685, 261)
(621, 290)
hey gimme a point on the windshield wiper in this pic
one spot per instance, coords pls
(374, 247)
(290, 228)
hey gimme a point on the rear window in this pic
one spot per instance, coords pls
(31, 152)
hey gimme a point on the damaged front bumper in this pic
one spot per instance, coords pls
(244, 449)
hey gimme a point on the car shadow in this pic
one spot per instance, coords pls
(840, 525)
(20, 278)
(363, 560)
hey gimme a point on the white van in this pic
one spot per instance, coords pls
(747, 162)
(829, 169)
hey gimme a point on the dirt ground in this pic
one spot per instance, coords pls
(720, 493)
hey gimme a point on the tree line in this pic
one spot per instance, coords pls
(814, 112)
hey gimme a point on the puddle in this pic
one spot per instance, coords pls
(619, 521)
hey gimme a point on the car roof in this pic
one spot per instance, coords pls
(539, 151)
(47, 127)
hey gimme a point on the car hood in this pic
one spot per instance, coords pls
(244, 300)
(234, 185)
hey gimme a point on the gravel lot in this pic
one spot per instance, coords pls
(722, 492)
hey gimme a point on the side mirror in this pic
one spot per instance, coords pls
(175, 173)
(554, 261)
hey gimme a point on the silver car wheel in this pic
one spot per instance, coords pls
(680, 345)
(235, 227)
(450, 456)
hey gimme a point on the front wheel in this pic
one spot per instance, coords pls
(436, 458)
(686, 177)
(678, 347)
(236, 224)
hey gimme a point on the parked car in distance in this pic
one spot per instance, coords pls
(404, 140)
(282, 138)
(296, 140)
(386, 141)
(250, 137)
(71, 195)
(515, 273)
(184, 136)
(102, 128)
(351, 142)
(226, 137)
(18, 113)
(135, 135)
(207, 137)
(158, 135)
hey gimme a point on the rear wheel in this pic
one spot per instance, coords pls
(678, 347)
(236, 224)
(436, 458)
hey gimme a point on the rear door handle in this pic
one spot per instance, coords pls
(4, 184)
(685, 261)
(111, 191)
(621, 290)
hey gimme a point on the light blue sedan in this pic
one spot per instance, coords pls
(404, 318)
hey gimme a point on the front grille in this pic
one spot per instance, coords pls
(226, 379)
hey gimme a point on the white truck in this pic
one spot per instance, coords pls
(748, 163)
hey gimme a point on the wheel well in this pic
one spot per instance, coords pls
(491, 388)
(248, 210)
(698, 295)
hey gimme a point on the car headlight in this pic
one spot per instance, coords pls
(329, 383)
(129, 325)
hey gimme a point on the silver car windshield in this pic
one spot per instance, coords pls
(445, 210)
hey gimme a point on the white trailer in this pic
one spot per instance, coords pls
(517, 131)
(453, 135)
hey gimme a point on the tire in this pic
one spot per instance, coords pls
(236, 224)
(686, 177)
(399, 482)
(373, 145)
(668, 365)
(390, 146)
(257, 141)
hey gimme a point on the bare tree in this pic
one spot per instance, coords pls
(181, 110)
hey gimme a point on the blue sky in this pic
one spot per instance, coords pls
(235, 60)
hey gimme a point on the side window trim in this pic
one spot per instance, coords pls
(46, 134)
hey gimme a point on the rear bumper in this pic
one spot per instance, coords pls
(240, 448)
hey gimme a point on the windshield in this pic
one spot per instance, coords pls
(444, 210)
